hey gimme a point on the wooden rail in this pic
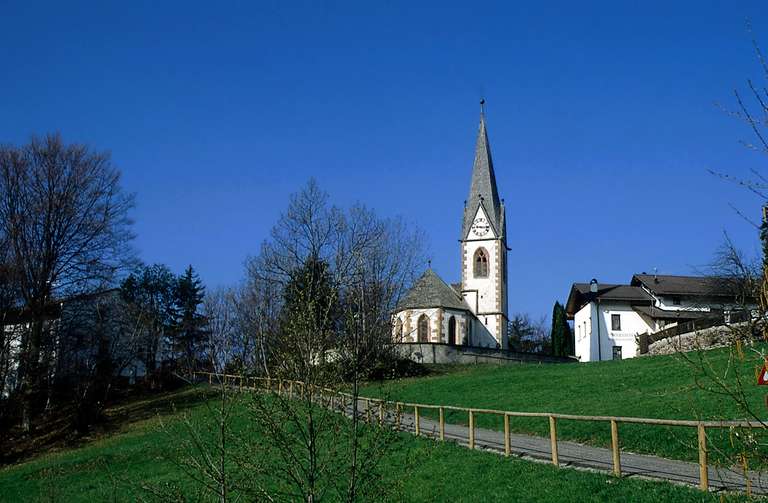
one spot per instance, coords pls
(383, 405)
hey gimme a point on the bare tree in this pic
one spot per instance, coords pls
(220, 309)
(333, 278)
(527, 335)
(65, 217)
(733, 378)
(97, 340)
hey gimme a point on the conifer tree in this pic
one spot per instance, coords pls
(562, 344)
(310, 311)
(189, 334)
(150, 293)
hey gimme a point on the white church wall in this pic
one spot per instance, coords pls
(486, 300)
(481, 336)
(461, 323)
(481, 294)
(438, 318)
(410, 321)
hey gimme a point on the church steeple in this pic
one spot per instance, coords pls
(483, 186)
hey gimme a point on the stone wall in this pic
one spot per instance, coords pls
(707, 338)
(444, 353)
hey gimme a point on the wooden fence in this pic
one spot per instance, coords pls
(284, 386)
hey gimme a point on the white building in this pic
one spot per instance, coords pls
(474, 311)
(609, 320)
(76, 329)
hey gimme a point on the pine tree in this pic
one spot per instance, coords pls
(562, 340)
(311, 310)
(189, 334)
(150, 293)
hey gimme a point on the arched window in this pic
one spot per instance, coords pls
(481, 263)
(452, 330)
(399, 330)
(423, 328)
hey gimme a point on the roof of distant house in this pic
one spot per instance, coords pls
(636, 293)
(687, 285)
(581, 295)
(431, 291)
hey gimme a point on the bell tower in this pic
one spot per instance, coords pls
(484, 250)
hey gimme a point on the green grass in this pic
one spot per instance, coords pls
(652, 387)
(142, 453)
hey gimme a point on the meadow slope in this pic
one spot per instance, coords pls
(652, 387)
(143, 454)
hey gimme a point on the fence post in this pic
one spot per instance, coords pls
(615, 448)
(703, 472)
(471, 429)
(442, 423)
(416, 419)
(747, 481)
(398, 412)
(367, 410)
(506, 435)
(553, 440)
(210, 379)
(290, 389)
(381, 413)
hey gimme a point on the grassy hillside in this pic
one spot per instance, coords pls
(654, 387)
(116, 467)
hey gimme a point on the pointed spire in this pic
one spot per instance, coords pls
(483, 186)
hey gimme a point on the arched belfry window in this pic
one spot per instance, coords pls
(423, 328)
(481, 263)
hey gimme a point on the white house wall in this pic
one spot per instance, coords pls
(582, 333)
(590, 347)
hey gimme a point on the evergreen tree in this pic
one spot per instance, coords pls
(189, 335)
(562, 340)
(310, 315)
(150, 292)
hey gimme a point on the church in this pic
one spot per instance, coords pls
(473, 312)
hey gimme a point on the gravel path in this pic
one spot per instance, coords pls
(580, 456)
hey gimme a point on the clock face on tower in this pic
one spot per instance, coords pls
(480, 226)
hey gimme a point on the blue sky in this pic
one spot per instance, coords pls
(601, 116)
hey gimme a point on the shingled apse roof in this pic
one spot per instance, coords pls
(431, 291)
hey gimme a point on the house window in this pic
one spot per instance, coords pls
(481, 263)
(616, 322)
(423, 328)
(452, 331)
(675, 301)
(617, 352)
